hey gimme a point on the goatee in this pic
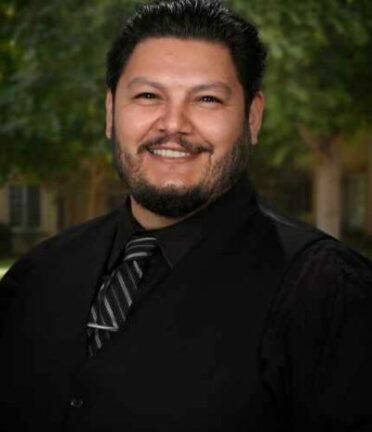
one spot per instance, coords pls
(174, 201)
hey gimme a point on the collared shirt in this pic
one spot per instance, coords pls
(307, 323)
(175, 241)
(315, 354)
(343, 278)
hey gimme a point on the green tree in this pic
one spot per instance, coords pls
(52, 86)
(318, 87)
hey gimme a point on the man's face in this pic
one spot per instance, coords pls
(179, 124)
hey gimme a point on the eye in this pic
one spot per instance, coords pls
(210, 99)
(146, 95)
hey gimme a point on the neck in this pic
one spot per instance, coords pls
(149, 220)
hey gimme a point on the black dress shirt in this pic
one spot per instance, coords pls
(318, 340)
(174, 242)
(244, 324)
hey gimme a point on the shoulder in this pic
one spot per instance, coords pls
(329, 266)
(331, 279)
(319, 269)
(324, 298)
(310, 244)
(86, 228)
(324, 328)
(85, 235)
(317, 347)
(293, 234)
(58, 257)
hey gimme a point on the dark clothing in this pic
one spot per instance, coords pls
(255, 323)
(175, 242)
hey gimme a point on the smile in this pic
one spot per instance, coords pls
(168, 153)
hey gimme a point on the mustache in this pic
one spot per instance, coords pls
(186, 145)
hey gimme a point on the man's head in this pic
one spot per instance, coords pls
(206, 20)
(183, 103)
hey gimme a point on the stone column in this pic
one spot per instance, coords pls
(327, 189)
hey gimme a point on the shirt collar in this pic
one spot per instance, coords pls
(177, 240)
(124, 231)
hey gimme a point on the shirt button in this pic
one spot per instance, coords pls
(76, 403)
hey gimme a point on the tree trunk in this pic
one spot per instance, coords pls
(96, 171)
(327, 187)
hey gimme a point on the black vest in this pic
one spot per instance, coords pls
(191, 356)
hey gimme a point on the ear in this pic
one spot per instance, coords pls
(255, 116)
(109, 113)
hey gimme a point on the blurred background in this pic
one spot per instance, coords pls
(314, 159)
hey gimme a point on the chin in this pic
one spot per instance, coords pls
(174, 200)
(174, 184)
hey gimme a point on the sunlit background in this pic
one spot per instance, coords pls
(314, 159)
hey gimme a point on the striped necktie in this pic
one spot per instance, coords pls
(115, 297)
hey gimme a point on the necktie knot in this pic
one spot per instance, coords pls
(140, 247)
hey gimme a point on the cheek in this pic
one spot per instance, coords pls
(132, 125)
(222, 131)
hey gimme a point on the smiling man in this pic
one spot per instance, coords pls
(191, 307)
(179, 122)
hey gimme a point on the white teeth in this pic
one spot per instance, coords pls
(170, 153)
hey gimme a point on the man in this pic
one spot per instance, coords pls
(191, 307)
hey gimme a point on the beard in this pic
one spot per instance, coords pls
(179, 201)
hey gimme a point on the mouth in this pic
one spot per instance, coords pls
(170, 153)
(168, 149)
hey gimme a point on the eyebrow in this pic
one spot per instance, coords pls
(201, 87)
(141, 80)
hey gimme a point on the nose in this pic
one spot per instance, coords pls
(175, 119)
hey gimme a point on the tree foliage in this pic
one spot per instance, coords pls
(52, 78)
(318, 83)
(319, 66)
(52, 85)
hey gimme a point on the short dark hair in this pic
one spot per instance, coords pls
(205, 20)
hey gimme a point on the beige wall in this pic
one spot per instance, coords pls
(4, 209)
(48, 212)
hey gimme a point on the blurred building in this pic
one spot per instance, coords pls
(33, 212)
(30, 213)
(357, 187)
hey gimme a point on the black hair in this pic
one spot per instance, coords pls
(205, 20)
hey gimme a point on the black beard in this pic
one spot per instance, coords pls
(169, 201)
(175, 202)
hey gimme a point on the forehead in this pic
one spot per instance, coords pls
(169, 58)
